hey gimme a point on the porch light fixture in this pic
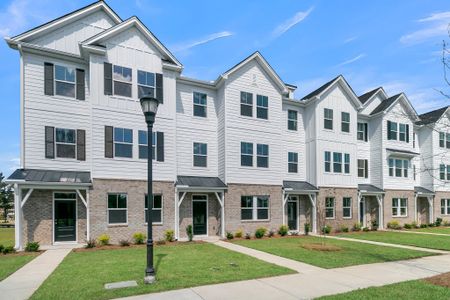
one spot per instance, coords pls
(149, 107)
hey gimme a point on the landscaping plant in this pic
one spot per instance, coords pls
(374, 226)
(326, 229)
(344, 229)
(307, 228)
(190, 232)
(271, 233)
(260, 232)
(169, 234)
(8, 249)
(239, 234)
(91, 243)
(283, 230)
(139, 238)
(357, 227)
(103, 239)
(248, 236)
(438, 222)
(32, 247)
(394, 225)
(124, 243)
(229, 235)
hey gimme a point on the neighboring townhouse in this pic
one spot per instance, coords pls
(236, 153)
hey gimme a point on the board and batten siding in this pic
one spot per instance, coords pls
(440, 155)
(363, 152)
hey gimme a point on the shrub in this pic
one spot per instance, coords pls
(344, 229)
(103, 239)
(139, 238)
(326, 229)
(438, 222)
(446, 223)
(91, 243)
(229, 235)
(271, 233)
(239, 234)
(161, 242)
(394, 225)
(190, 232)
(169, 235)
(374, 224)
(124, 243)
(32, 247)
(248, 236)
(423, 225)
(431, 225)
(414, 225)
(357, 227)
(8, 249)
(307, 228)
(1, 248)
(283, 230)
(260, 232)
(366, 229)
(407, 226)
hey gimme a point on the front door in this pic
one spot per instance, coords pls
(292, 211)
(65, 221)
(199, 216)
(362, 212)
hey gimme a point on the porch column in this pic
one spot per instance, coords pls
(176, 215)
(380, 212)
(283, 207)
(431, 208)
(18, 218)
(359, 209)
(313, 199)
(178, 202)
(415, 208)
(88, 222)
(222, 213)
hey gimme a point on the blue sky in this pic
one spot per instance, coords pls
(395, 44)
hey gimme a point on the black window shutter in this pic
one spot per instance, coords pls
(160, 146)
(48, 79)
(389, 130)
(366, 132)
(80, 85)
(81, 144)
(159, 88)
(107, 74)
(49, 142)
(109, 146)
(366, 168)
(407, 133)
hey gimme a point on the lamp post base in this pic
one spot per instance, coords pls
(149, 279)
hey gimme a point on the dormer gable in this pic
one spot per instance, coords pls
(371, 99)
(388, 105)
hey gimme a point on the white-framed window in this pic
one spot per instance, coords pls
(337, 162)
(329, 208)
(292, 162)
(399, 207)
(64, 81)
(157, 216)
(254, 208)
(246, 154)
(346, 163)
(143, 143)
(117, 208)
(362, 131)
(200, 155)
(262, 107)
(328, 118)
(246, 104)
(392, 130)
(345, 122)
(398, 131)
(398, 167)
(402, 132)
(262, 156)
(442, 139)
(347, 207)
(123, 142)
(414, 171)
(146, 84)
(292, 119)
(445, 206)
(122, 78)
(200, 104)
(327, 160)
(442, 172)
(65, 141)
(363, 168)
(447, 135)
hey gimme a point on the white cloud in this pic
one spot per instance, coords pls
(203, 40)
(288, 24)
(436, 17)
(352, 60)
(350, 39)
(435, 25)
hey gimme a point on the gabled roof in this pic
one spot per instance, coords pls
(50, 176)
(432, 116)
(367, 96)
(337, 80)
(386, 104)
(132, 21)
(51, 25)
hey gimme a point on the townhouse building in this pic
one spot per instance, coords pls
(236, 153)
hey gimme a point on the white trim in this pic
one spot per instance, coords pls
(18, 218)
(162, 209)
(26, 197)
(350, 207)
(107, 210)
(207, 213)
(76, 218)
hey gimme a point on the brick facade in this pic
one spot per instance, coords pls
(338, 221)
(437, 205)
(388, 196)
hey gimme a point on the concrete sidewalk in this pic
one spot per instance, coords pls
(420, 232)
(25, 281)
(312, 283)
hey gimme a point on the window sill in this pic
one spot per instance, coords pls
(117, 225)
(154, 224)
(400, 217)
(347, 218)
(255, 221)
(333, 218)
(254, 118)
(65, 98)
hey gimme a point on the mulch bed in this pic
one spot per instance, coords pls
(442, 280)
(321, 247)
(117, 247)
(23, 253)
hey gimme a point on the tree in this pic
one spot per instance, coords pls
(6, 197)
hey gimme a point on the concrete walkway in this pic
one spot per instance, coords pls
(421, 232)
(312, 283)
(25, 281)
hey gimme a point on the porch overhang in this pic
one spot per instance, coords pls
(199, 184)
(50, 179)
(421, 191)
(401, 153)
(299, 187)
(369, 189)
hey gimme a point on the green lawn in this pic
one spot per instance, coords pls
(419, 240)
(7, 236)
(408, 290)
(441, 229)
(351, 253)
(83, 274)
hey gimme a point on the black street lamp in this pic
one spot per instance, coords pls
(149, 107)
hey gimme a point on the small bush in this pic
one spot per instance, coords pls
(446, 223)
(414, 225)
(394, 225)
(161, 242)
(124, 243)
(407, 226)
(307, 228)
(1, 248)
(139, 238)
(366, 229)
(248, 236)
(326, 229)
(238, 234)
(103, 239)
(229, 235)
(32, 247)
(8, 249)
(431, 225)
(283, 230)
(169, 235)
(438, 222)
(357, 227)
(90, 243)
(374, 224)
(423, 225)
(260, 232)
(190, 232)
(271, 233)
(344, 229)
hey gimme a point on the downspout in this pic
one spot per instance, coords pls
(22, 108)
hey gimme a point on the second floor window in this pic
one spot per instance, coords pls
(444, 172)
(200, 154)
(262, 156)
(246, 104)
(398, 167)
(362, 131)
(65, 81)
(337, 162)
(122, 77)
(399, 207)
(448, 140)
(143, 143)
(397, 131)
(262, 107)
(292, 162)
(345, 122)
(146, 84)
(328, 118)
(123, 142)
(246, 154)
(327, 160)
(363, 168)
(65, 143)
(292, 119)
(200, 105)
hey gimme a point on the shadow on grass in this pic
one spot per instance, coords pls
(159, 259)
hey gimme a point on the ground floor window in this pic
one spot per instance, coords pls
(117, 209)
(347, 207)
(445, 206)
(156, 209)
(399, 207)
(329, 208)
(254, 208)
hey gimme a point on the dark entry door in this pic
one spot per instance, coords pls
(199, 216)
(292, 211)
(362, 211)
(65, 221)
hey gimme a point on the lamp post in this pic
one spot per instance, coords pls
(149, 107)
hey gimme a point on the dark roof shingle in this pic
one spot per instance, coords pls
(422, 190)
(364, 97)
(199, 181)
(50, 176)
(320, 89)
(299, 186)
(369, 188)
(432, 116)
(385, 104)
